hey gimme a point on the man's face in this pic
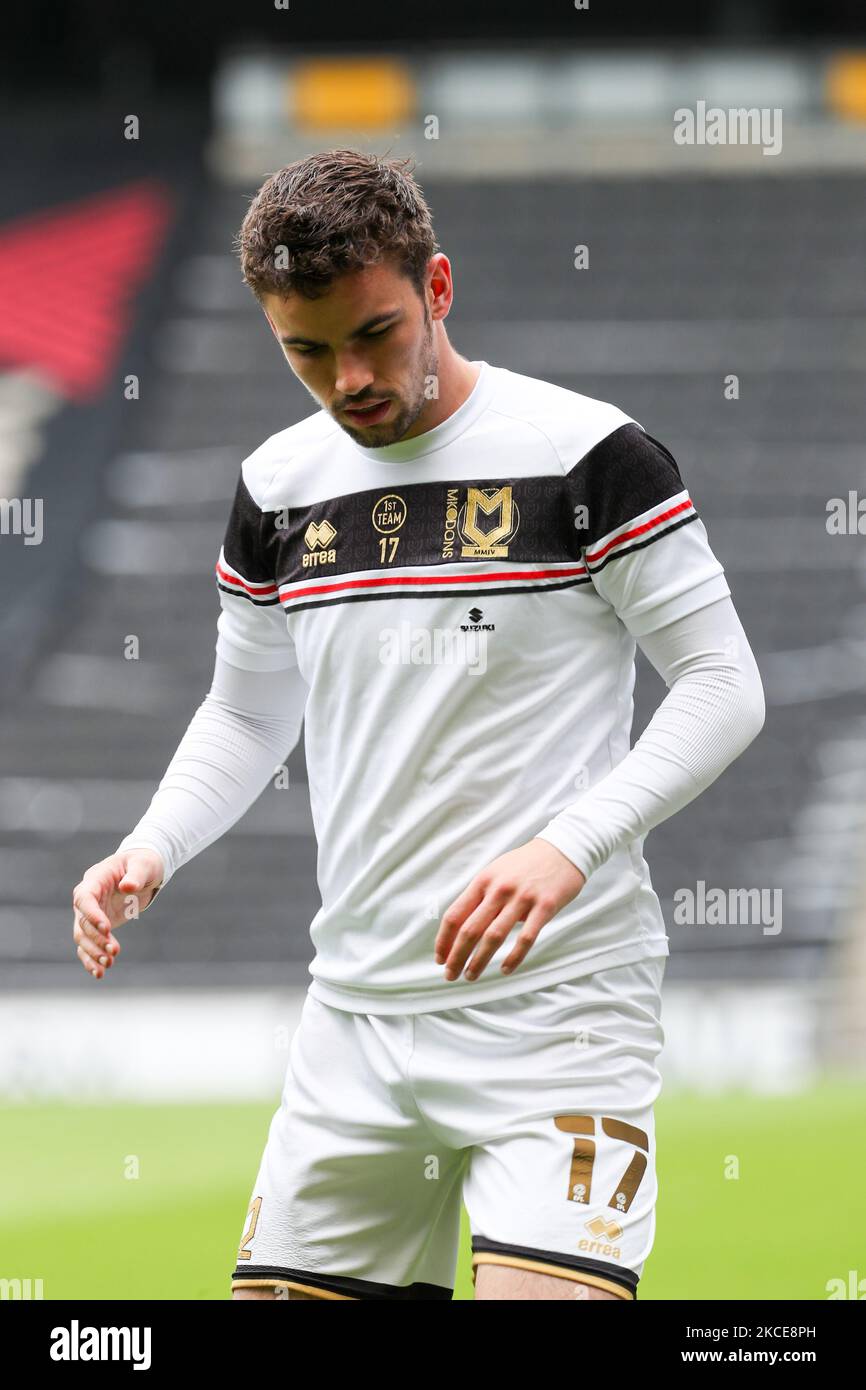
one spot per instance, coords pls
(369, 341)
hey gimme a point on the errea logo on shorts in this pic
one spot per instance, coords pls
(76, 1343)
(600, 1226)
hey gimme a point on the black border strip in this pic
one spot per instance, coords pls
(338, 1283)
(242, 593)
(437, 593)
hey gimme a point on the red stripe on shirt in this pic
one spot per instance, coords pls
(641, 530)
(387, 580)
(258, 589)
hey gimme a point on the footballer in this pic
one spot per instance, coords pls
(444, 572)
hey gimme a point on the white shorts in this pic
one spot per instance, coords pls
(535, 1110)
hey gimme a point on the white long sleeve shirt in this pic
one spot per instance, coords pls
(455, 617)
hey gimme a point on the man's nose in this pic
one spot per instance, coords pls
(353, 375)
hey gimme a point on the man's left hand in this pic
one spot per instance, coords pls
(529, 885)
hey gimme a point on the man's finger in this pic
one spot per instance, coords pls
(87, 929)
(144, 869)
(496, 933)
(473, 929)
(526, 939)
(87, 904)
(95, 953)
(453, 918)
(93, 967)
(96, 942)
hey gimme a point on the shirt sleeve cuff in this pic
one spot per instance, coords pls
(570, 845)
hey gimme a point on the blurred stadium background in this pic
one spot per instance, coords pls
(135, 374)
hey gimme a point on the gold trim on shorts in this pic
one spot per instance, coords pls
(289, 1284)
(539, 1267)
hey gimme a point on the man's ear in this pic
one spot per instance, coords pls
(440, 286)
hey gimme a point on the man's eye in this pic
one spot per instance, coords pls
(305, 351)
(379, 332)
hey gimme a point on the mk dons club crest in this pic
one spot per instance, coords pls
(486, 522)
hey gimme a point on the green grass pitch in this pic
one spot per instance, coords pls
(793, 1219)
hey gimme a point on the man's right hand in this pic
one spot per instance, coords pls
(103, 900)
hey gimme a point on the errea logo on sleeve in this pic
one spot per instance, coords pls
(76, 1343)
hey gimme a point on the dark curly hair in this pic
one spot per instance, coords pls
(333, 212)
